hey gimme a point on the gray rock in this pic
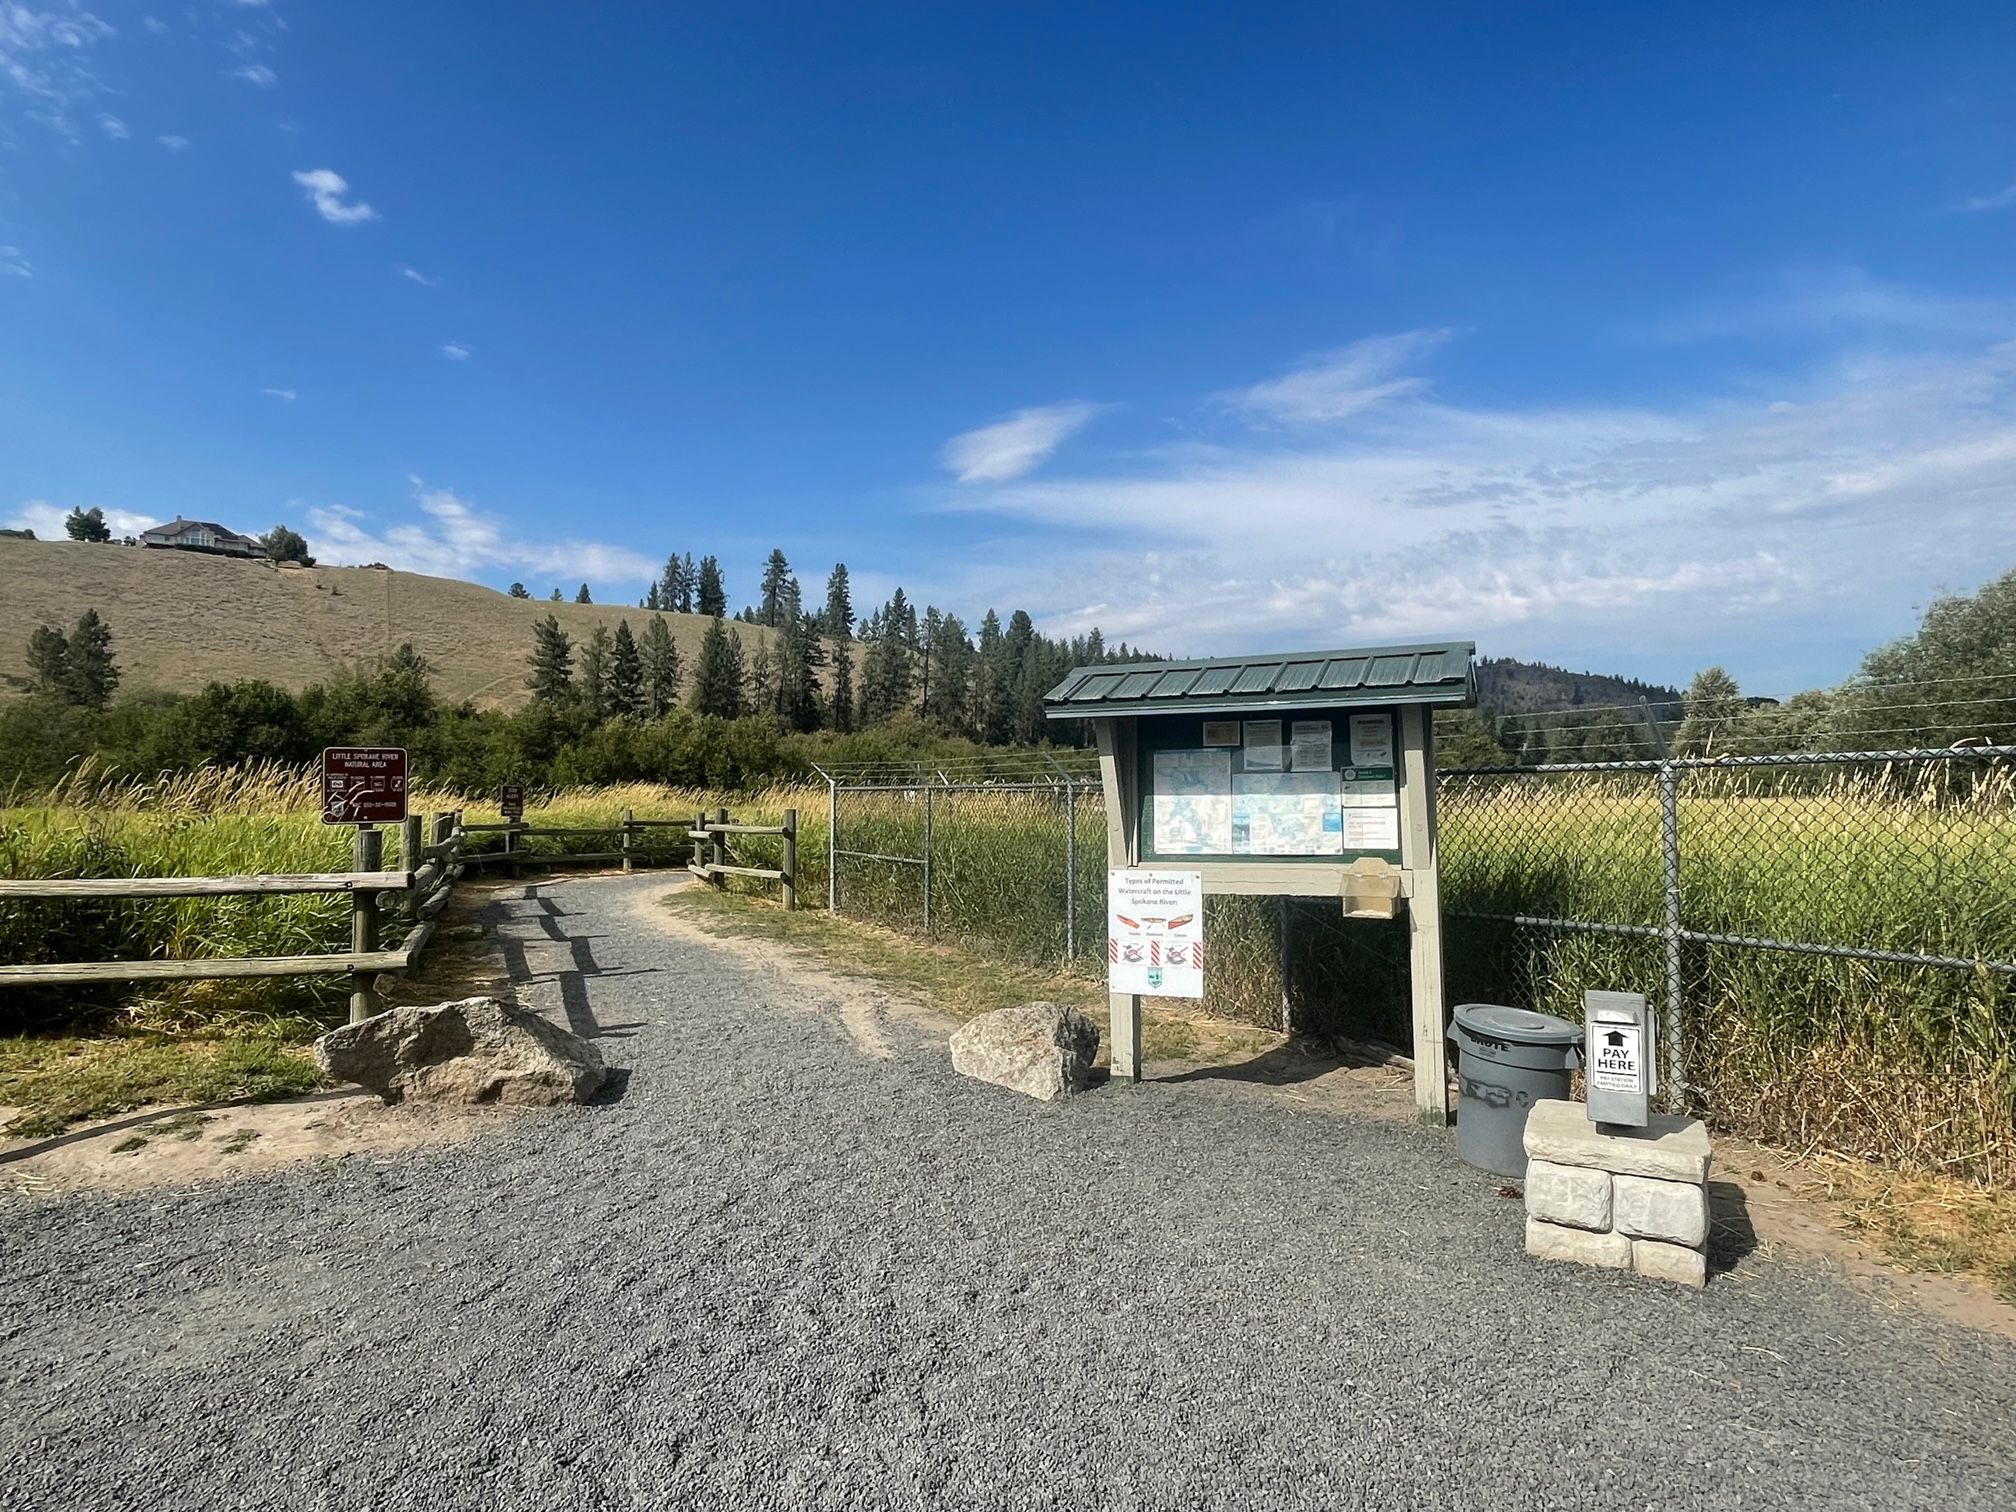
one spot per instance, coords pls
(1669, 1147)
(1041, 1050)
(480, 1050)
(1570, 1195)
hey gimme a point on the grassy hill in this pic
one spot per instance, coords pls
(181, 619)
(1506, 686)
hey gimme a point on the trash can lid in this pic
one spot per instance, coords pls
(1521, 1025)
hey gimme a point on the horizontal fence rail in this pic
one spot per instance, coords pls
(712, 861)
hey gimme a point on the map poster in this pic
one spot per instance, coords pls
(1371, 740)
(1263, 745)
(1309, 745)
(1155, 933)
(1192, 809)
(1286, 814)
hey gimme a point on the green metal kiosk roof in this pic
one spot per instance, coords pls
(1438, 674)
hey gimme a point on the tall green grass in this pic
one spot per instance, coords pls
(1912, 1065)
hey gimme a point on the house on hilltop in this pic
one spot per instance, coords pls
(201, 535)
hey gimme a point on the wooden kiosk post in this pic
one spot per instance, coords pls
(1305, 774)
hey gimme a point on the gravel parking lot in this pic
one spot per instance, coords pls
(782, 1270)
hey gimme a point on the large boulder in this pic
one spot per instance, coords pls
(480, 1050)
(1040, 1049)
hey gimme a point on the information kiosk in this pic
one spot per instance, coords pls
(1309, 774)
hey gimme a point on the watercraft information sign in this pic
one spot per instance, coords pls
(1155, 933)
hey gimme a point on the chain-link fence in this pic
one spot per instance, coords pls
(1830, 940)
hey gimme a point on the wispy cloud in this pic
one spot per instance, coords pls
(174, 143)
(454, 538)
(256, 74)
(2001, 199)
(326, 189)
(1009, 448)
(113, 127)
(46, 520)
(419, 278)
(455, 353)
(285, 396)
(13, 264)
(1339, 384)
(44, 55)
(1836, 304)
(1651, 530)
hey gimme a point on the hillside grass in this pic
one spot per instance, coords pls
(181, 619)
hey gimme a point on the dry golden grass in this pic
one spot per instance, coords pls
(181, 619)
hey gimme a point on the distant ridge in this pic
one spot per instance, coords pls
(1508, 686)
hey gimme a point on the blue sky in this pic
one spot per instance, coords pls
(1632, 337)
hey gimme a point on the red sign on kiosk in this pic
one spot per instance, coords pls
(363, 785)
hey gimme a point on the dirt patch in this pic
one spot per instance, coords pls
(173, 1146)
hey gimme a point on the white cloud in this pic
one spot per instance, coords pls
(455, 353)
(1009, 448)
(456, 539)
(113, 127)
(43, 55)
(174, 143)
(326, 189)
(1825, 508)
(256, 74)
(1339, 384)
(154, 24)
(46, 520)
(2001, 199)
(419, 278)
(13, 264)
(285, 396)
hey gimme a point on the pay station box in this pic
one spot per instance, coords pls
(1617, 1058)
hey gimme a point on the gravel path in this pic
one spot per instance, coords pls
(781, 1270)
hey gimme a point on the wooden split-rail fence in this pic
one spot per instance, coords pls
(433, 858)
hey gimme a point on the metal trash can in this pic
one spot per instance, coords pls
(1509, 1059)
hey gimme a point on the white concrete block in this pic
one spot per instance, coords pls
(1669, 1147)
(1674, 1211)
(1571, 1195)
(1552, 1241)
(1669, 1262)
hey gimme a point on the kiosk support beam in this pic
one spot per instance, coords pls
(1424, 915)
(1118, 774)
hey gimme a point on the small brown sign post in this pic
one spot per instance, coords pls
(363, 785)
(511, 801)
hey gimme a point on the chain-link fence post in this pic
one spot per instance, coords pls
(1070, 870)
(927, 858)
(832, 846)
(1669, 841)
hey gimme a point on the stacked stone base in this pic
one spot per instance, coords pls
(1629, 1199)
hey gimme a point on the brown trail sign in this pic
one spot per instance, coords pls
(363, 785)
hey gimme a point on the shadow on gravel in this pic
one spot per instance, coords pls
(1732, 1238)
(529, 907)
(1283, 1066)
(612, 1089)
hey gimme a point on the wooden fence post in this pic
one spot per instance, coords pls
(368, 855)
(628, 830)
(790, 858)
(720, 849)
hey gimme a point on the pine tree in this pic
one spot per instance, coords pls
(87, 525)
(798, 657)
(89, 673)
(776, 572)
(710, 594)
(841, 713)
(555, 595)
(519, 590)
(651, 599)
(626, 674)
(49, 660)
(837, 618)
(689, 583)
(597, 662)
(673, 585)
(760, 694)
(717, 674)
(927, 649)
(582, 596)
(994, 703)
(660, 660)
(952, 676)
(552, 679)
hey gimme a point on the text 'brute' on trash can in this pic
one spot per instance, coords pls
(1510, 1058)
